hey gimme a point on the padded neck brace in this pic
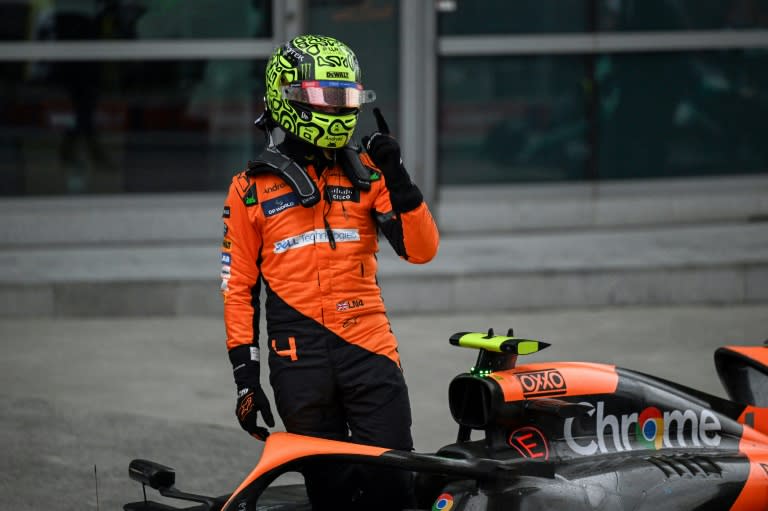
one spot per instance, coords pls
(272, 161)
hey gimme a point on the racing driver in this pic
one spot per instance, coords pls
(303, 220)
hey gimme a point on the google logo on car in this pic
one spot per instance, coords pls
(443, 503)
(650, 428)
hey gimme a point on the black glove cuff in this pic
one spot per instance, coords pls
(396, 178)
(244, 368)
(406, 198)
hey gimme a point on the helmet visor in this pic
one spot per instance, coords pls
(328, 93)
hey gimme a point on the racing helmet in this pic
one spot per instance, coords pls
(313, 90)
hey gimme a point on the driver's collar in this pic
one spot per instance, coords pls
(305, 153)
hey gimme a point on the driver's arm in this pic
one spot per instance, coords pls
(407, 224)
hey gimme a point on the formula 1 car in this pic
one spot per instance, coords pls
(561, 435)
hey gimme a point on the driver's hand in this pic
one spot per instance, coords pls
(250, 402)
(384, 150)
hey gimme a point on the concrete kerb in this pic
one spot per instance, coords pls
(412, 292)
(601, 204)
(147, 256)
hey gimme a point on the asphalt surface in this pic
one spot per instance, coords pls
(85, 396)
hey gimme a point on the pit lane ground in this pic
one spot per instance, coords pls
(77, 393)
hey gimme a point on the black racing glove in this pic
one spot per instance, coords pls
(251, 399)
(384, 150)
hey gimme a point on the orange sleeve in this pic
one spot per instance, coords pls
(420, 235)
(240, 273)
(413, 234)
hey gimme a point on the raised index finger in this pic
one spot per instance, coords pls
(380, 122)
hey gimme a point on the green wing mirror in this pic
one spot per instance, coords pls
(497, 352)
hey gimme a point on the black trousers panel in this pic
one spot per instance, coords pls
(328, 388)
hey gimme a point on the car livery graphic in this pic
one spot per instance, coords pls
(558, 435)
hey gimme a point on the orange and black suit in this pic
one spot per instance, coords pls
(334, 364)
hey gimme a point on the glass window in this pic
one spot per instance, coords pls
(354, 22)
(466, 17)
(134, 19)
(682, 114)
(640, 15)
(130, 126)
(669, 114)
(505, 119)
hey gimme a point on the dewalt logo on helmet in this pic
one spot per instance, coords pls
(313, 90)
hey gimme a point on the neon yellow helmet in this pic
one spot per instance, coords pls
(314, 90)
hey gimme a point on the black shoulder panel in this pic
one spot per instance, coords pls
(274, 162)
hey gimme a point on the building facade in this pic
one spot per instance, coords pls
(129, 96)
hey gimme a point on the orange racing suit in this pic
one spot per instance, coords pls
(270, 236)
(334, 365)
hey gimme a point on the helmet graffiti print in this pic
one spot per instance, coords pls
(313, 90)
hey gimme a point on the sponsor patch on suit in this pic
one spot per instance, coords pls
(279, 204)
(316, 236)
(343, 193)
(250, 198)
